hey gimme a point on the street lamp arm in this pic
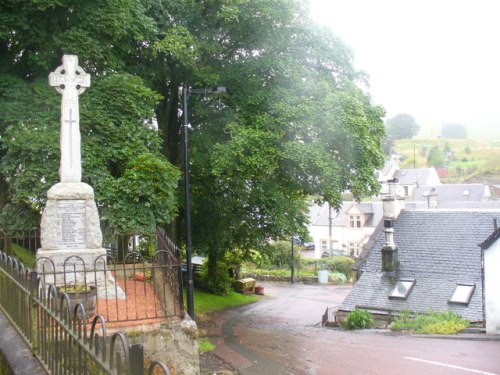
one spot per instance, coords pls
(208, 90)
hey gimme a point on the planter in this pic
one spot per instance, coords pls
(141, 276)
(86, 295)
(259, 289)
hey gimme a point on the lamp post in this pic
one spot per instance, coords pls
(186, 91)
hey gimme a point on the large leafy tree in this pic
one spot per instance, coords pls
(135, 184)
(402, 126)
(296, 123)
(454, 131)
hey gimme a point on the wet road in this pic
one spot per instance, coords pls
(282, 335)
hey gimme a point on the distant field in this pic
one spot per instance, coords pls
(467, 160)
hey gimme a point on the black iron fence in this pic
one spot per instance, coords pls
(144, 286)
(63, 311)
(59, 334)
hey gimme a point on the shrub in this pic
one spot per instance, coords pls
(338, 278)
(444, 323)
(278, 254)
(358, 319)
(217, 281)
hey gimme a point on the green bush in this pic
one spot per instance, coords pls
(278, 255)
(338, 278)
(358, 319)
(217, 281)
(336, 264)
(444, 323)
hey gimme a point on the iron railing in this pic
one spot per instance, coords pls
(60, 335)
(131, 291)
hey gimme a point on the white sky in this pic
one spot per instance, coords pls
(437, 60)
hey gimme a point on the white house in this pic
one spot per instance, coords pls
(343, 232)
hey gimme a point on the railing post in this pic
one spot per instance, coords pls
(33, 316)
(136, 358)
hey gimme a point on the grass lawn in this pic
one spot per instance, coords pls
(205, 302)
(24, 255)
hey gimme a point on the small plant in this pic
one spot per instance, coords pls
(204, 345)
(443, 323)
(78, 288)
(359, 319)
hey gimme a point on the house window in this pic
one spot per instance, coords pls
(324, 244)
(355, 221)
(353, 248)
(462, 294)
(402, 289)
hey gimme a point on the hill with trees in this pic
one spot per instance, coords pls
(466, 160)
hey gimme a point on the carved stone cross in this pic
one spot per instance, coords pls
(70, 81)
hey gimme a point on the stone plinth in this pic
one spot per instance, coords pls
(71, 238)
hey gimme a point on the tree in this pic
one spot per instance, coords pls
(454, 131)
(134, 184)
(402, 126)
(435, 157)
(295, 124)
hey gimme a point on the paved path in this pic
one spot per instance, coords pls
(282, 335)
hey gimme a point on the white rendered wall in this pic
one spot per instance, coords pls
(492, 287)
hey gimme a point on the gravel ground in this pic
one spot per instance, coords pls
(210, 364)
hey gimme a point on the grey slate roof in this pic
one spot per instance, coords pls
(319, 214)
(408, 176)
(452, 192)
(437, 248)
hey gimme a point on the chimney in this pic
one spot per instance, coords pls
(389, 250)
(432, 201)
(393, 203)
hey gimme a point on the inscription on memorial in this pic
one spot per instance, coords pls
(71, 224)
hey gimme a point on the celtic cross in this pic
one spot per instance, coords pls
(70, 81)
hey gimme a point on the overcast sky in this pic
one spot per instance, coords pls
(437, 60)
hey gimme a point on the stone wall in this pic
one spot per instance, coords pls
(175, 343)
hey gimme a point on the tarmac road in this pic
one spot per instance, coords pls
(282, 335)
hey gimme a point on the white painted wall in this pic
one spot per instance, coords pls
(342, 235)
(491, 287)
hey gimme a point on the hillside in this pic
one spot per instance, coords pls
(460, 160)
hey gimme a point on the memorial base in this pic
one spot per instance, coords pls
(78, 267)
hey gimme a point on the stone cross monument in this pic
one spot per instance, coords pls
(71, 237)
(70, 81)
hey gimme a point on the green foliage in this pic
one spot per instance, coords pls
(445, 323)
(402, 126)
(295, 124)
(359, 319)
(337, 264)
(435, 157)
(338, 278)
(204, 345)
(278, 255)
(456, 131)
(216, 279)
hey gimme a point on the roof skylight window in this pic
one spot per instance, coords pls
(402, 289)
(462, 294)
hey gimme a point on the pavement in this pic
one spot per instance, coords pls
(272, 336)
(14, 350)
